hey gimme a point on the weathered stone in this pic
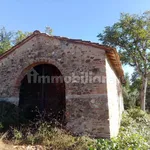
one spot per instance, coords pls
(92, 109)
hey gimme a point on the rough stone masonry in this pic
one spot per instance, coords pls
(92, 107)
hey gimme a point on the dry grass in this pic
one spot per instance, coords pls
(4, 146)
(49, 138)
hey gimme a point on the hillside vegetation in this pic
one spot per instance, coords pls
(134, 133)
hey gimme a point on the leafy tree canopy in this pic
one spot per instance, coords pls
(9, 39)
(131, 35)
(5, 40)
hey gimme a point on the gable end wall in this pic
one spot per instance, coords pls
(86, 103)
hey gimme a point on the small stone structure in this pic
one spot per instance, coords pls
(92, 74)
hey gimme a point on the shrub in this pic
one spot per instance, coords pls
(130, 98)
(134, 133)
(8, 115)
(50, 137)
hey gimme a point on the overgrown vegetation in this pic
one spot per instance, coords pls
(10, 116)
(134, 134)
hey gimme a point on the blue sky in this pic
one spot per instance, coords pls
(81, 19)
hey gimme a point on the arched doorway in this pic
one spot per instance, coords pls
(43, 90)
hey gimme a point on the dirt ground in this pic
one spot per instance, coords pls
(4, 146)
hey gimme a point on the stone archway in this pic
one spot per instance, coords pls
(43, 89)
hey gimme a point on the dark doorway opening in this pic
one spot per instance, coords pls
(42, 91)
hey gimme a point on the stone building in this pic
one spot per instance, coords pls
(79, 80)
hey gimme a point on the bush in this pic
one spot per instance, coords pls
(134, 133)
(130, 98)
(8, 115)
(50, 137)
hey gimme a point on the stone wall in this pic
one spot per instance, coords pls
(86, 103)
(115, 99)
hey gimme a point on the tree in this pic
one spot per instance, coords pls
(9, 39)
(19, 36)
(148, 95)
(48, 30)
(130, 93)
(131, 35)
(5, 40)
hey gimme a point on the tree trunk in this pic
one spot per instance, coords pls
(143, 92)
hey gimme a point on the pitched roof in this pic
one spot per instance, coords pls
(112, 54)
